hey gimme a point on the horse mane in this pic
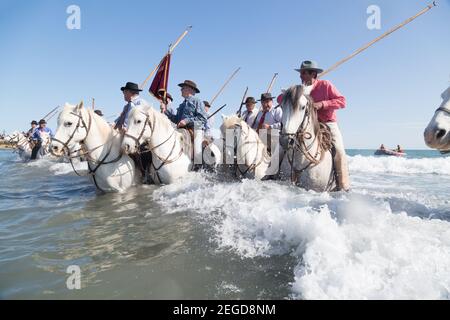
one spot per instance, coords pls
(232, 121)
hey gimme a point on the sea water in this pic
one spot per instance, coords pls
(203, 238)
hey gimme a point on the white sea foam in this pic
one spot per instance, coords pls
(399, 165)
(347, 246)
(58, 168)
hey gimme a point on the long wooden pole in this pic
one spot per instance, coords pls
(93, 103)
(242, 103)
(171, 48)
(429, 7)
(44, 117)
(223, 87)
(212, 115)
(271, 83)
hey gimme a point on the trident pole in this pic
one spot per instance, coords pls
(336, 65)
(223, 87)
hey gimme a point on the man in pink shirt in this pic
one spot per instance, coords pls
(327, 99)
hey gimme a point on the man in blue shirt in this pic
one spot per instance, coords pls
(190, 114)
(30, 132)
(131, 96)
(37, 139)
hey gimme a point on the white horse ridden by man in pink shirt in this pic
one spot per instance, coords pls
(437, 133)
(307, 142)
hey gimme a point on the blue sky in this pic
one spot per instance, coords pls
(392, 89)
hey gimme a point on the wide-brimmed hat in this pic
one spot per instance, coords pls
(191, 84)
(131, 86)
(42, 121)
(310, 65)
(266, 96)
(161, 95)
(34, 122)
(99, 112)
(206, 103)
(250, 100)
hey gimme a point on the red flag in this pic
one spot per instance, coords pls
(159, 85)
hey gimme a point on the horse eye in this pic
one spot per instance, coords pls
(68, 124)
(139, 122)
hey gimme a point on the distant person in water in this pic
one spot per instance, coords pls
(399, 149)
(382, 147)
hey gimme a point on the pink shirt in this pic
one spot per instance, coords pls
(324, 91)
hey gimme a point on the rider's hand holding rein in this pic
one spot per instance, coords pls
(318, 105)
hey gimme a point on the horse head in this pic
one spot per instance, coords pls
(141, 121)
(296, 108)
(73, 127)
(437, 133)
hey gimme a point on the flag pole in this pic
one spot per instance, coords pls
(171, 48)
(271, 83)
(223, 87)
(336, 65)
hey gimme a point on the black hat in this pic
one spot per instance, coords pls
(267, 96)
(206, 103)
(34, 122)
(191, 84)
(131, 86)
(42, 121)
(250, 100)
(99, 112)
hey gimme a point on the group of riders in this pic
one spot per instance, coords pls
(34, 135)
(192, 114)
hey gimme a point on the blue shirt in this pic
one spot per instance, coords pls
(37, 133)
(192, 110)
(122, 120)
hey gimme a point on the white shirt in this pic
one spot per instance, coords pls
(272, 118)
(250, 118)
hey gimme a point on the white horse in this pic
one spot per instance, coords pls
(437, 133)
(24, 146)
(252, 161)
(110, 170)
(307, 143)
(171, 149)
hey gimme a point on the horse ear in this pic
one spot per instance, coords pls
(80, 105)
(224, 117)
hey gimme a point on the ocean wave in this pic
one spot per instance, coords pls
(347, 246)
(399, 165)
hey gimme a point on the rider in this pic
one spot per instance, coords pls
(327, 99)
(268, 117)
(30, 132)
(250, 114)
(190, 114)
(131, 96)
(37, 137)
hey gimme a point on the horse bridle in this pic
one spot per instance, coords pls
(86, 127)
(254, 165)
(297, 142)
(152, 149)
